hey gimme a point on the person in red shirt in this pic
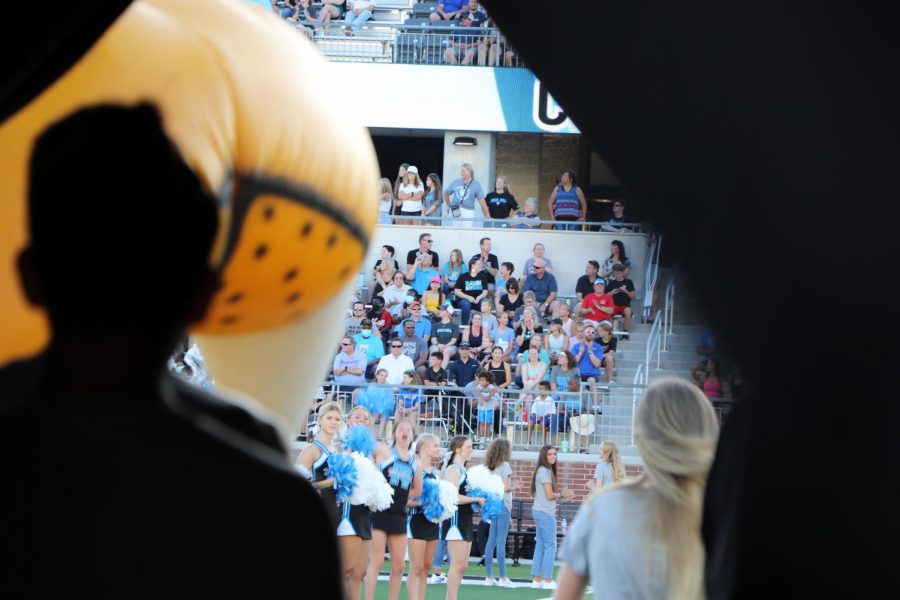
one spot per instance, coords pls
(599, 305)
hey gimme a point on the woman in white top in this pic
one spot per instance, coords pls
(385, 201)
(642, 539)
(410, 194)
(545, 489)
(395, 294)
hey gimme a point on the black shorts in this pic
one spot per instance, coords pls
(389, 522)
(458, 528)
(356, 520)
(421, 528)
(410, 213)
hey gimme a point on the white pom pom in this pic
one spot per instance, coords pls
(371, 488)
(304, 472)
(481, 478)
(449, 495)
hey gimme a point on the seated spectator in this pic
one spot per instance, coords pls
(358, 12)
(504, 274)
(352, 325)
(471, 288)
(527, 304)
(512, 300)
(568, 405)
(528, 329)
(477, 337)
(369, 344)
(425, 244)
(556, 341)
(585, 283)
(433, 201)
(476, 12)
(538, 252)
(420, 273)
(463, 45)
(421, 325)
(543, 412)
(543, 285)
(395, 295)
(410, 194)
(615, 224)
(452, 269)
(489, 262)
(499, 44)
(503, 336)
(622, 291)
(525, 218)
(589, 357)
(567, 203)
(449, 10)
(433, 299)
(609, 343)
(414, 345)
(577, 333)
(410, 399)
(331, 10)
(565, 315)
(532, 371)
(445, 336)
(384, 269)
(349, 366)
(436, 373)
(395, 363)
(488, 320)
(500, 203)
(599, 305)
(617, 255)
(566, 368)
(381, 318)
(496, 364)
(543, 355)
(709, 380)
(298, 11)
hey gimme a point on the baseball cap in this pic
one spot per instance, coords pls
(465, 345)
(412, 169)
(365, 323)
(433, 279)
(557, 320)
(600, 281)
(415, 303)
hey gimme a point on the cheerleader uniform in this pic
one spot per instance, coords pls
(420, 528)
(329, 498)
(459, 527)
(400, 475)
(356, 520)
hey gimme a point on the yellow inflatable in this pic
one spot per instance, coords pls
(245, 98)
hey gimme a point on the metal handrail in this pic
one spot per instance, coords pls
(651, 274)
(508, 223)
(668, 313)
(654, 342)
(639, 380)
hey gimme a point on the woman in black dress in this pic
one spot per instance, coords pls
(355, 529)
(423, 534)
(457, 531)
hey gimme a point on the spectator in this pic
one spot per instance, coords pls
(476, 12)
(504, 274)
(511, 301)
(499, 367)
(433, 299)
(351, 327)
(737, 384)
(566, 368)
(487, 398)
(509, 55)
(489, 262)
(401, 179)
(599, 305)
(435, 374)
(543, 412)
(420, 274)
(565, 315)
(421, 325)
(496, 458)
(543, 356)
(462, 193)
(545, 490)
(567, 203)
(410, 194)
(532, 371)
(543, 285)
(379, 399)
(500, 203)
(359, 11)
(448, 10)
(445, 337)
(349, 366)
(452, 269)
(609, 343)
(527, 304)
(409, 398)
(462, 376)
(622, 291)
(525, 218)
(385, 201)
(568, 405)
(585, 283)
(395, 295)
(577, 333)
(433, 201)
(298, 11)
(383, 272)
(589, 357)
(617, 255)
(425, 244)
(395, 363)
(503, 336)
(616, 541)
(610, 469)
(476, 336)
(617, 220)
(528, 329)
(556, 341)
(331, 10)
(381, 319)
(470, 289)
(709, 380)
(538, 252)
(488, 320)
(463, 45)
(370, 345)
(414, 345)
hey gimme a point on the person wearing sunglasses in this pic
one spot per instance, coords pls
(349, 367)
(395, 362)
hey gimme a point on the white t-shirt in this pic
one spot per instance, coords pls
(543, 407)
(391, 292)
(502, 471)
(395, 367)
(411, 205)
(361, 3)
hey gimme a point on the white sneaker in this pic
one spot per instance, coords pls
(435, 578)
(505, 582)
(548, 585)
(536, 584)
(490, 581)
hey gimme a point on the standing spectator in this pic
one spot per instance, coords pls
(598, 306)
(585, 283)
(610, 469)
(618, 540)
(589, 356)
(421, 273)
(496, 458)
(352, 326)
(370, 345)
(349, 366)
(411, 193)
(545, 490)
(500, 203)
(470, 289)
(448, 10)
(451, 271)
(616, 255)
(385, 201)
(489, 262)
(433, 298)
(543, 285)
(512, 300)
(710, 381)
(414, 346)
(617, 220)
(622, 291)
(609, 343)
(503, 336)
(401, 178)
(445, 336)
(425, 244)
(462, 193)
(487, 397)
(395, 364)
(504, 275)
(567, 203)
(358, 12)
(463, 45)
(538, 252)
(395, 295)
(433, 201)
(527, 217)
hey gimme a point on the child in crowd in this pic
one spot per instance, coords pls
(378, 398)
(410, 399)
(543, 411)
(488, 320)
(488, 397)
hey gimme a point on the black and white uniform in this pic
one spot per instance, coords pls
(400, 475)
(459, 527)
(329, 498)
(356, 520)
(420, 528)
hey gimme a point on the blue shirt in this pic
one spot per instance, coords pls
(371, 346)
(463, 374)
(410, 397)
(541, 287)
(453, 274)
(585, 365)
(423, 329)
(422, 277)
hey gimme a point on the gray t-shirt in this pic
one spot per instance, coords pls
(604, 473)
(444, 332)
(413, 347)
(464, 194)
(501, 472)
(607, 543)
(541, 502)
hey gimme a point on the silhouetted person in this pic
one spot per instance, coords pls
(119, 480)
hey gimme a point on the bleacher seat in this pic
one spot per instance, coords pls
(423, 9)
(416, 23)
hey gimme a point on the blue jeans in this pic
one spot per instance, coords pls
(497, 539)
(544, 545)
(570, 226)
(438, 561)
(466, 307)
(357, 22)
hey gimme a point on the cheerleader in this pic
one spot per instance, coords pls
(423, 534)
(458, 530)
(355, 529)
(389, 526)
(314, 458)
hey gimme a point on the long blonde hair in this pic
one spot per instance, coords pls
(611, 450)
(675, 432)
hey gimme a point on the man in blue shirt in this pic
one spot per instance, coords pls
(589, 355)
(420, 273)
(543, 285)
(421, 324)
(462, 376)
(448, 10)
(369, 344)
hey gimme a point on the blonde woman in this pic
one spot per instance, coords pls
(410, 195)
(500, 203)
(355, 532)
(641, 539)
(609, 470)
(313, 460)
(385, 201)
(423, 534)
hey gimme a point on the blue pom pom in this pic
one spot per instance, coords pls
(359, 439)
(431, 500)
(493, 503)
(342, 469)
